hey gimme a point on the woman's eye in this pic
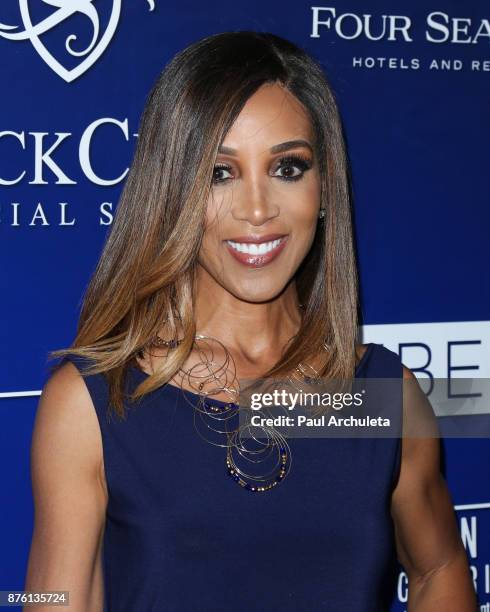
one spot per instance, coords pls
(219, 174)
(292, 168)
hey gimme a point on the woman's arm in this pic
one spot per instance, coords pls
(427, 538)
(70, 495)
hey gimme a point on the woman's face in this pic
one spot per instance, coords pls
(263, 208)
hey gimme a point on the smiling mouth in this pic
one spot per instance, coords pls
(256, 254)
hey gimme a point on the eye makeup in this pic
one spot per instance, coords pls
(296, 161)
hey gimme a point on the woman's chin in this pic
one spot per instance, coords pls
(258, 294)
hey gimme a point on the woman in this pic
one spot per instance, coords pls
(230, 258)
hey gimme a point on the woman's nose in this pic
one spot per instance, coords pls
(254, 202)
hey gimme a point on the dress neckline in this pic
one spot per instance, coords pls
(142, 374)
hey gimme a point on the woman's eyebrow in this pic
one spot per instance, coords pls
(291, 144)
(278, 148)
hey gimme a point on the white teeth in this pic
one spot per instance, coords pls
(253, 248)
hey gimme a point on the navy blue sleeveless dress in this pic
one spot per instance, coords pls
(182, 536)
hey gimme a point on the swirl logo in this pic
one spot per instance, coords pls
(64, 10)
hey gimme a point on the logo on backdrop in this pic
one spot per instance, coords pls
(65, 9)
(371, 31)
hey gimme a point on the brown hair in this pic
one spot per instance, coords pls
(144, 278)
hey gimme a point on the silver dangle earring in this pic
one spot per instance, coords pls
(321, 213)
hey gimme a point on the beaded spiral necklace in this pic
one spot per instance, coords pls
(209, 413)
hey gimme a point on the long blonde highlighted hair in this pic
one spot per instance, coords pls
(144, 279)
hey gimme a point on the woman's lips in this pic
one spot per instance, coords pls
(256, 254)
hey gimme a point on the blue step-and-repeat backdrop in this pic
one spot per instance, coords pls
(412, 80)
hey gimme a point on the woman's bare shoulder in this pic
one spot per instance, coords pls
(66, 422)
(70, 497)
(65, 397)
